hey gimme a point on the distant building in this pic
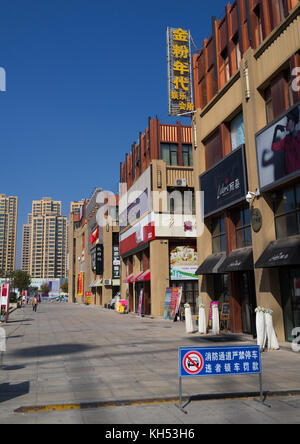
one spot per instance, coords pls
(8, 232)
(48, 242)
(25, 257)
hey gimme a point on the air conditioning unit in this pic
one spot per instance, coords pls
(107, 282)
(180, 183)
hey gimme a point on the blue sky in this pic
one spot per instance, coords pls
(82, 79)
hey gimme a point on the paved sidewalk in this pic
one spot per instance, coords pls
(68, 354)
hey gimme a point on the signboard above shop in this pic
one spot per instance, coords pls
(225, 184)
(180, 82)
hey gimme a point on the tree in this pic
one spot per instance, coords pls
(45, 288)
(64, 287)
(21, 280)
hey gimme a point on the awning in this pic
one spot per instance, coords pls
(238, 260)
(98, 283)
(211, 264)
(281, 253)
(145, 276)
(92, 285)
(129, 279)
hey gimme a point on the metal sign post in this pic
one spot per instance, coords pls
(219, 361)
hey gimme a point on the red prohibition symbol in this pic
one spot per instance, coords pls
(193, 363)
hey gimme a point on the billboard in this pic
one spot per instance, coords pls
(278, 150)
(180, 84)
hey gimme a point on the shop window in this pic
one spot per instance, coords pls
(242, 227)
(169, 153)
(187, 155)
(286, 205)
(218, 235)
(237, 132)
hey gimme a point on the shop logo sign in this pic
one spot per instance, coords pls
(226, 188)
(279, 257)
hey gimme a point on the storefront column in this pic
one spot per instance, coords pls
(160, 273)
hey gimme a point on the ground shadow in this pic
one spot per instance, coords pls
(52, 350)
(12, 391)
(217, 339)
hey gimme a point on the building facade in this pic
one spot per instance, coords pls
(94, 272)
(48, 240)
(157, 218)
(246, 139)
(8, 232)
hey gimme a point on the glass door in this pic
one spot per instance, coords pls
(248, 302)
(290, 290)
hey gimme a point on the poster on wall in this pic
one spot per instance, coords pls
(278, 149)
(183, 263)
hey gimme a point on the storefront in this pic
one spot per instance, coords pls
(278, 160)
(228, 274)
(284, 256)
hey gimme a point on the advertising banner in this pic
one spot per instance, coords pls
(172, 302)
(139, 312)
(180, 84)
(225, 184)
(4, 301)
(183, 263)
(278, 150)
(80, 284)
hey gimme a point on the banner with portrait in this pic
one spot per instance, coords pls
(278, 149)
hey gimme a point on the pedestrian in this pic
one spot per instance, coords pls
(34, 303)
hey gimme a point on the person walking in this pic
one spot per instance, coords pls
(34, 303)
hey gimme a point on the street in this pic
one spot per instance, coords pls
(78, 364)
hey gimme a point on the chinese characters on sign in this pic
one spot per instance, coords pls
(207, 361)
(179, 72)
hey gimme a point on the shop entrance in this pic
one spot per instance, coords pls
(138, 287)
(290, 290)
(190, 293)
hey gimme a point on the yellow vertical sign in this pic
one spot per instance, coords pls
(180, 82)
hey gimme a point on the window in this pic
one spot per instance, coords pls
(224, 68)
(169, 154)
(218, 235)
(187, 155)
(269, 105)
(237, 132)
(181, 201)
(237, 50)
(258, 27)
(286, 206)
(242, 227)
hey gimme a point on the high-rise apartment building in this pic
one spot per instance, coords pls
(48, 243)
(25, 257)
(8, 232)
